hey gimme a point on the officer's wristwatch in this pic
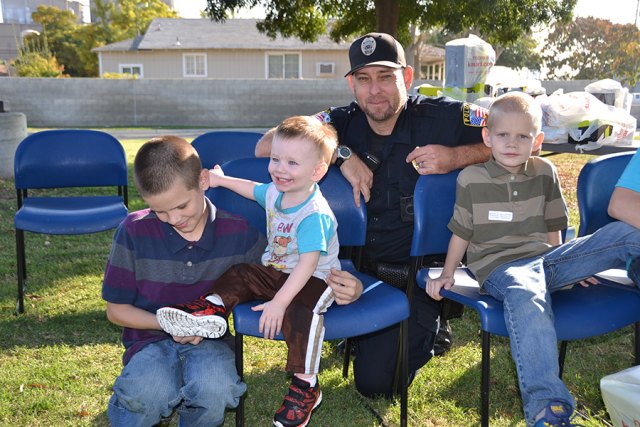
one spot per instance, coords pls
(343, 153)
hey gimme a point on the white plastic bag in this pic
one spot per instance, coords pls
(610, 92)
(589, 122)
(621, 395)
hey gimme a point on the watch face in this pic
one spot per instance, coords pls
(344, 152)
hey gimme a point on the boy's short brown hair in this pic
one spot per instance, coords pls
(519, 103)
(162, 160)
(322, 135)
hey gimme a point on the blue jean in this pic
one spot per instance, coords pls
(199, 381)
(524, 286)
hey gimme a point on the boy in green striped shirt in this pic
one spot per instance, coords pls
(508, 218)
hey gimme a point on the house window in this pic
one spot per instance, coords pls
(194, 65)
(134, 69)
(283, 66)
(325, 69)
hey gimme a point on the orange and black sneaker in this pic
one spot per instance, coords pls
(298, 404)
(200, 318)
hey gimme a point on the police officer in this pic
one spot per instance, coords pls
(387, 139)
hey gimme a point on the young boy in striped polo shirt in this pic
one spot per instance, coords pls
(168, 254)
(508, 218)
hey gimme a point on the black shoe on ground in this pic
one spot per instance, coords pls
(298, 404)
(444, 339)
(200, 318)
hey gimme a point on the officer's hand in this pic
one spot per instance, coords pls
(346, 287)
(432, 159)
(359, 176)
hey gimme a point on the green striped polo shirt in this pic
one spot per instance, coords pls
(506, 216)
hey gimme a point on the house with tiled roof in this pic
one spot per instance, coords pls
(201, 48)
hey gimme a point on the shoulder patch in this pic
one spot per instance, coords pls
(474, 115)
(323, 116)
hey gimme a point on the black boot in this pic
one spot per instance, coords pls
(444, 339)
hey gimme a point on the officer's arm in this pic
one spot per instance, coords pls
(263, 147)
(465, 155)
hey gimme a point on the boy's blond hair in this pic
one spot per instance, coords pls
(519, 103)
(161, 161)
(322, 135)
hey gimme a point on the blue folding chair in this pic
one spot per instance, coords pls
(62, 159)
(579, 312)
(218, 147)
(380, 306)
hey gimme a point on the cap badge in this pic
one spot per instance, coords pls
(368, 46)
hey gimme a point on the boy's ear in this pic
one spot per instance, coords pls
(537, 144)
(319, 171)
(485, 137)
(203, 180)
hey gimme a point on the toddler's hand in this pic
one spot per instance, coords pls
(271, 319)
(214, 175)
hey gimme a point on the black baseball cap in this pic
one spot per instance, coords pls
(376, 49)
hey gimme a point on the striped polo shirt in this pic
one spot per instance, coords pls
(506, 216)
(152, 266)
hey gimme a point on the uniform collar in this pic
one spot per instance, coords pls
(176, 242)
(495, 169)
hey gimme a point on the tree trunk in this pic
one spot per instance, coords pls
(387, 16)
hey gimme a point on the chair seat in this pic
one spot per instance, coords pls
(342, 321)
(70, 215)
(616, 307)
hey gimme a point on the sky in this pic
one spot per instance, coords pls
(617, 11)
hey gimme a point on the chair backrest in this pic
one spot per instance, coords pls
(596, 183)
(433, 199)
(352, 221)
(218, 147)
(69, 158)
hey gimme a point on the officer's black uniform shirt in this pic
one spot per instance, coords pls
(423, 121)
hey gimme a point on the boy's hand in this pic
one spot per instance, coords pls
(589, 281)
(214, 175)
(434, 285)
(271, 319)
(188, 340)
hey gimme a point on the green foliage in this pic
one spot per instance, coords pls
(36, 60)
(120, 76)
(500, 21)
(591, 48)
(71, 43)
(522, 53)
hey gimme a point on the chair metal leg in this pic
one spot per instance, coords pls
(22, 269)
(240, 369)
(563, 353)
(347, 358)
(404, 355)
(484, 392)
(637, 340)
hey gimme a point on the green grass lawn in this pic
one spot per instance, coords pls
(60, 358)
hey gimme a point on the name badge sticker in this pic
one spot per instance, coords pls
(500, 216)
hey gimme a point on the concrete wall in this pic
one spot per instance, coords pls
(178, 102)
(168, 102)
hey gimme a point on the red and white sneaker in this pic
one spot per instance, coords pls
(199, 318)
(299, 404)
